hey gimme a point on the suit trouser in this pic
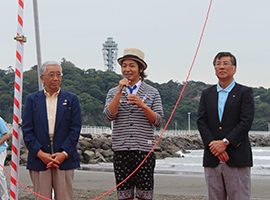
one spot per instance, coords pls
(3, 184)
(224, 181)
(60, 180)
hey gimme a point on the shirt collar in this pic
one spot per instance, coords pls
(138, 84)
(227, 89)
(47, 94)
(134, 90)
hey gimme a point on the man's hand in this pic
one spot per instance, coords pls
(52, 164)
(217, 147)
(51, 160)
(58, 158)
(223, 157)
(45, 157)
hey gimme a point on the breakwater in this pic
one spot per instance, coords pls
(95, 148)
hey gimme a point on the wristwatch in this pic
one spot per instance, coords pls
(66, 154)
(225, 141)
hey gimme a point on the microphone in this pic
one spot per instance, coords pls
(125, 87)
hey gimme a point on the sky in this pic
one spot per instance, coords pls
(168, 32)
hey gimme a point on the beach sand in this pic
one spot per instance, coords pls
(93, 184)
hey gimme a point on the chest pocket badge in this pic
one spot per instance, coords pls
(147, 97)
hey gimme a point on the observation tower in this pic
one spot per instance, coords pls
(110, 54)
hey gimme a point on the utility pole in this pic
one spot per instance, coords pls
(189, 122)
(38, 48)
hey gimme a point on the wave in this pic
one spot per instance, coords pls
(192, 163)
(261, 157)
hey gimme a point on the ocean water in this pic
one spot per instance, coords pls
(261, 161)
(191, 163)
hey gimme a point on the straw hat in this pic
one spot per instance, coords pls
(133, 54)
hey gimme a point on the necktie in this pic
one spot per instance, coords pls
(132, 88)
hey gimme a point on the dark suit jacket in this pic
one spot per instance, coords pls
(66, 134)
(236, 122)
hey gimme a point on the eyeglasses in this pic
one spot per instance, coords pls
(52, 75)
(225, 64)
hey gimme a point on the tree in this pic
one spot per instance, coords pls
(92, 86)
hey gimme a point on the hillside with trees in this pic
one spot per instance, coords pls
(92, 86)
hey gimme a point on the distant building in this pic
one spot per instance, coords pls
(110, 54)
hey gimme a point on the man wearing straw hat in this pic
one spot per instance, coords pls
(134, 107)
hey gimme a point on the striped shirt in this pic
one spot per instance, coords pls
(131, 128)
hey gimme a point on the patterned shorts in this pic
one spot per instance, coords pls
(125, 162)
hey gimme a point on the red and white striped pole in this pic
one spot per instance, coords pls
(15, 158)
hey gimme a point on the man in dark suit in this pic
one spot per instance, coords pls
(51, 128)
(225, 116)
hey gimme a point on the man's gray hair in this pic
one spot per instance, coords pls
(44, 65)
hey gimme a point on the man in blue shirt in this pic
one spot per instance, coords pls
(3, 153)
(225, 116)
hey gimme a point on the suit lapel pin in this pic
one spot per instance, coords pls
(233, 95)
(65, 102)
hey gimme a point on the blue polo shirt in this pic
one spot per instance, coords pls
(222, 97)
(3, 130)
